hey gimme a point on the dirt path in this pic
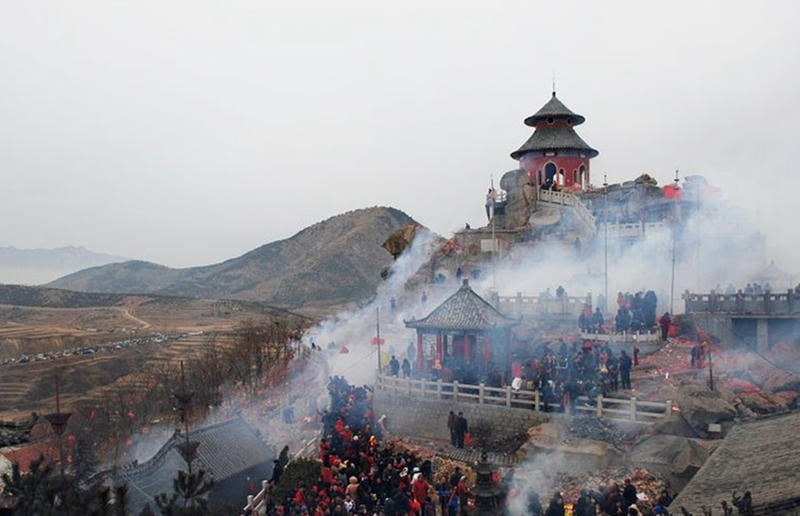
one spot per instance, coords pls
(126, 313)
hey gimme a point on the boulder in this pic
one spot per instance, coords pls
(700, 407)
(680, 456)
(674, 425)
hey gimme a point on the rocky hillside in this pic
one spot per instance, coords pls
(334, 261)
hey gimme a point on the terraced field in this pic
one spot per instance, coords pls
(26, 387)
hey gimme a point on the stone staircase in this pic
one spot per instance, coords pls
(569, 199)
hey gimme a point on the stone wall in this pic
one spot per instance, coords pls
(414, 417)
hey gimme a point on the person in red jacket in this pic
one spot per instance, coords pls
(420, 489)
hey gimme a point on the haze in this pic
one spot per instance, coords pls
(189, 132)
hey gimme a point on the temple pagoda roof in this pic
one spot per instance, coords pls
(554, 138)
(556, 110)
(464, 311)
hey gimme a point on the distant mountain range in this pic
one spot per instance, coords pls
(35, 266)
(335, 261)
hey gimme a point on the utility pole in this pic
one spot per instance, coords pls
(605, 231)
(378, 339)
(674, 222)
(710, 371)
(494, 238)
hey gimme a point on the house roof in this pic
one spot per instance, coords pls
(556, 110)
(557, 137)
(16, 432)
(464, 311)
(226, 449)
(762, 457)
(26, 454)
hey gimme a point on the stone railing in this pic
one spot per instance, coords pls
(564, 198)
(633, 230)
(618, 409)
(768, 303)
(653, 336)
(542, 304)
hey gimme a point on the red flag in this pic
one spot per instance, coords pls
(378, 341)
(344, 350)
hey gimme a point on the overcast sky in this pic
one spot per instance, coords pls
(190, 132)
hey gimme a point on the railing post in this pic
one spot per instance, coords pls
(249, 501)
(480, 393)
(599, 405)
(633, 409)
(508, 396)
(455, 391)
(439, 388)
(519, 304)
(396, 385)
(408, 386)
(264, 485)
(536, 400)
(668, 408)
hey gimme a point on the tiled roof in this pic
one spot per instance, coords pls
(13, 433)
(464, 311)
(226, 449)
(762, 457)
(555, 109)
(26, 454)
(557, 137)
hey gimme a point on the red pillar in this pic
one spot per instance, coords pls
(467, 353)
(439, 347)
(420, 361)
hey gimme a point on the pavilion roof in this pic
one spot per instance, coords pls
(547, 138)
(464, 311)
(555, 109)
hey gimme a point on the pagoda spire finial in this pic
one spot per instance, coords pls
(554, 83)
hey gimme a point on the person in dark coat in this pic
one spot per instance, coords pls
(461, 429)
(406, 368)
(629, 493)
(597, 320)
(664, 322)
(556, 507)
(625, 364)
(283, 458)
(394, 366)
(277, 471)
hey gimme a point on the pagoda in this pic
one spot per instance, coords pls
(555, 154)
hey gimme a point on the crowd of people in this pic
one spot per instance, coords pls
(562, 375)
(612, 500)
(635, 313)
(360, 476)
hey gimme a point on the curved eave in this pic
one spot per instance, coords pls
(538, 118)
(422, 325)
(545, 139)
(519, 153)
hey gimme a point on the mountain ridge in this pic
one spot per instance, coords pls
(336, 260)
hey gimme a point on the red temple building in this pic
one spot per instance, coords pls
(468, 331)
(554, 152)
